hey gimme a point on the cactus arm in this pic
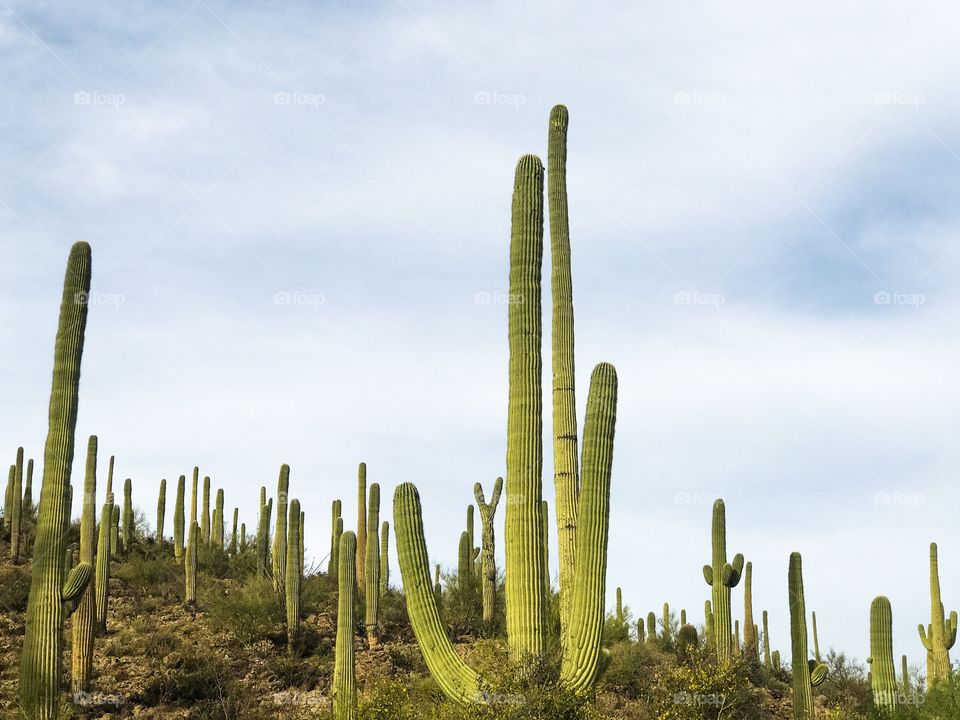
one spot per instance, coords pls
(924, 638)
(457, 680)
(76, 582)
(708, 574)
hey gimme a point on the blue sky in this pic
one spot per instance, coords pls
(764, 240)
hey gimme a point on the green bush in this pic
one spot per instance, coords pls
(150, 574)
(250, 611)
(14, 588)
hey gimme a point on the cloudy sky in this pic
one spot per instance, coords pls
(294, 208)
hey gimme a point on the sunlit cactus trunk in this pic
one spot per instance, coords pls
(216, 532)
(372, 561)
(161, 510)
(84, 618)
(127, 525)
(233, 531)
(27, 506)
(488, 564)
(751, 648)
(766, 643)
(883, 680)
(243, 538)
(807, 673)
(292, 568)
(279, 557)
(178, 520)
(344, 672)
(337, 537)
(115, 545)
(41, 660)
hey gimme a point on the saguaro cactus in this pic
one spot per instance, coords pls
(361, 523)
(205, 513)
(178, 520)
(40, 664)
(161, 509)
(708, 621)
(904, 676)
(384, 556)
(115, 545)
(816, 636)
(216, 532)
(294, 571)
(372, 561)
(722, 576)
(243, 538)
(751, 648)
(337, 536)
(641, 631)
(883, 679)
(942, 630)
(488, 563)
(264, 564)
(8, 499)
(84, 617)
(463, 559)
(619, 612)
(766, 643)
(775, 656)
(127, 526)
(666, 622)
(190, 568)
(470, 540)
(565, 464)
(102, 584)
(16, 520)
(686, 643)
(807, 674)
(335, 513)
(651, 626)
(28, 489)
(344, 672)
(280, 532)
(233, 532)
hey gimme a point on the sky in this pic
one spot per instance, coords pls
(297, 211)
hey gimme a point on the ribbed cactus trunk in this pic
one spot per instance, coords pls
(803, 708)
(233, 531)
(667, 630)
(904, 676)
(41, 660)
(384, 557)
(751, 648)
(193, 500)
(161, 509)
(641, 631)
(722, 576)
(335, 512)
(292, 568)
(686, 643)
(545, 545)
(775, 657)
(16, 509)
(372, 574)
(337, 537)
(463, 559)
(280, 533)
(178, 520)
(8, 499)
(263, 539)
(883, 680)
(619, 611)
(205, 513)
(190, 568)
(216, 532)
(361, 522)
(525, 601)
(565, 463)
(766, 643)
(127, 526)
(243, 538)
(85, 616)
(488, 562)
(102, 584)
(302, 544)
(941, 633)
(344, 671)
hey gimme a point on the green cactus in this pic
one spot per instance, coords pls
(84, 618)
(766, 643)
(775, 657)
(722, 576)
(665, 621)
(115, 546)
(335, 514)
(463, 558)
(816, 636)
(686, 643)
(384, 557)
(193, 500)
(361, 523)
(8, 499)
(437, 588)
(545, 544)
(736, 637)
(279, 561)
(565, 464)
(28, 488)
(16, 519)
(904, 676)
(233, 532)
(488, 564)
(41, 659)
(102, 583)
(641, 631)
(708, 621)
(190, 568)
(619, 614)
(683, 617)
(216, 532)
(333, 571)
(344, 672)
(651, 626)
(264, 563)
(243, 538)
(471, 566)
(127, 518)
(178, 520)
(372, 561)
(807, 674)
(161, 509)
(883, 679)
(293, 570)
(942, 632)
(205, 512)
(751, 648)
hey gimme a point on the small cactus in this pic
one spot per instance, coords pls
(102, 583)
(641, 631)
(233, 532)
(686, 643)
(16, 519)
(333, 570)
(344, 671)
(883, 681)
(243, 538)
(708, 622)
(665, 621)
(651, 626)
(127, 518)
(361, 522)
(28, 488)
(335, 514)
(775, 657)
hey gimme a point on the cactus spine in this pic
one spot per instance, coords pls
(344, 672)
(102, 584)
(883, 679)
(751, 647)
(566, 481)
(766, 643)
(161, 509)
(40, 664)
(384, 556)
(294, 572)
(335, 512)
(178, 520)
(84, 617)
(190, 568)
(722, 576)
(361, 559)
(805, 677)
(16, 519)
(279, 563)
(127, 515)
(372, 561)
(488, 563)
(942, 631)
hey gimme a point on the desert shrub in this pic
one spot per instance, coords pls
(250, 612)
(14, 588)
(394, 623)
(160, 643)
(616, 631)
(294, 672)
(150, 575)
(630, 669)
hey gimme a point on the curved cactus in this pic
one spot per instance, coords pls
(722, 576)
(127, 518)
(102, 582)
(293, 570)
(41, 659)
(384, 556)
(161, 509)
(279, 563)
(16, 515)
(806, 673)
(178, 520)
(84, 618)
(372, 561)
(883, 679)
(941, 634)
(361, 522)
(344, 673)
(488, 564)
(205, 512)
(751, 647)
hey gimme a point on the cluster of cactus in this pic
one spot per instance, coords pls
(807, 673)
(722, 576)
(940, 635)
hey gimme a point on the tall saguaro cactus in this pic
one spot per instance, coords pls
(488, 563)
(883, 680)
(361, 522)
(280, 532)
(233, 532)
(751, 648)
(293, 571)
(178, 520)
(805, 677)
(161, 509)
(216, 532)
(40, 664)
(102, 584)
(27, 505)
(84, 618)
(372, 561)
(942, 630)
(565, 464)
(344, 671)
(722, 576)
